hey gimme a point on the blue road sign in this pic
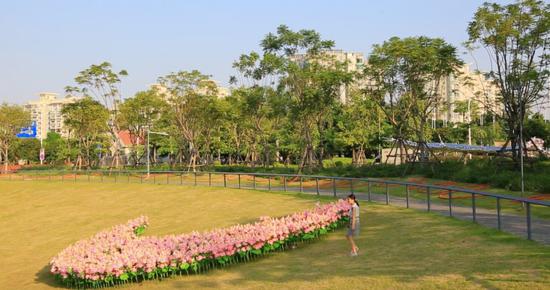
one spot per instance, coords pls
(28, 132)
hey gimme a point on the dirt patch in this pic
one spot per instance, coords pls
(444, 194)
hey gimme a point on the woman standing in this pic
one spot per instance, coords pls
(353, 227)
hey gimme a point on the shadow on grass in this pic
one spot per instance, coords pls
(45, 277)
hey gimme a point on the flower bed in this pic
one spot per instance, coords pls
(120, 255)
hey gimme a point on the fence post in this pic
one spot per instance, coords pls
(474, 219)
(317, 185)
(407, 194)
(284, 183)
(254, 181)
(224, 180)
(195, 178)
(387, 194)
(450, 203)
(209, 179)
(167, 178)
(334, 187)
(181, 178)
(154, 179)
(528, 212)
(239, 177)
(75, 177)
(88, 173)
(351, 185)
(498, 215)
(428, 197)
(368, 190)
(269, 182)
(301, 185)
(128, 175)
(141, 178)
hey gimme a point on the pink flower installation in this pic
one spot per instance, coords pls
(120, 255)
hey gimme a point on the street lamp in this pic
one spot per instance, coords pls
(148, 153)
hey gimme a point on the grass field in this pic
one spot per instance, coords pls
(419, 193)
(400, 248)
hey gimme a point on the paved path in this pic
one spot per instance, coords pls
(511, 223)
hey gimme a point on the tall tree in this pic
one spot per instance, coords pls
(55, 148)
(27, 149)
(358, 127)
(404, 76)
(12, 119)
(517, 38)
(137, 115)
(191, 96)
(311, 78)
(102, 83)
(253, 119)
(86, 120)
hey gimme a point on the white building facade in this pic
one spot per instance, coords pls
(467, 87)
(46, 112)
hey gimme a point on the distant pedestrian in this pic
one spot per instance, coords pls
(354, 225)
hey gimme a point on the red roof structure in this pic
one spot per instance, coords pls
(125, 138)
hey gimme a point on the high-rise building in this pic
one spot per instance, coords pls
(465, 92)
(355, 62)
(46, 112)
(221, 92)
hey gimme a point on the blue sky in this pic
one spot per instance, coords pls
(44, 44)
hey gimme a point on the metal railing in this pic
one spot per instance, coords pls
(281, 182)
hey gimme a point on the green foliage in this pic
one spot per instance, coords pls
(86, 120)
(140, 230)
(309, 84)
(516, 37)
(55, 148)
(485, 134)
(12, 119)
(26, 149)
(136, 115)
(404, 77)
(101, 82)
(194, 114)
(536, 126)
(359, 126)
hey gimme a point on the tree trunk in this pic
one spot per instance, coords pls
(7, 159)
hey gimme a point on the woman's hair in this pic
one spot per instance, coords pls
(352, 196)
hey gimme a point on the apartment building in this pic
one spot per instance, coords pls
(222, 92)
(46, 112)
(355, 62)
(467, 86)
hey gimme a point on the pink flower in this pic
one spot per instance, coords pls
(118, 250)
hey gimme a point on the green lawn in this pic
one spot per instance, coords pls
(293, 185)
(400, 248)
